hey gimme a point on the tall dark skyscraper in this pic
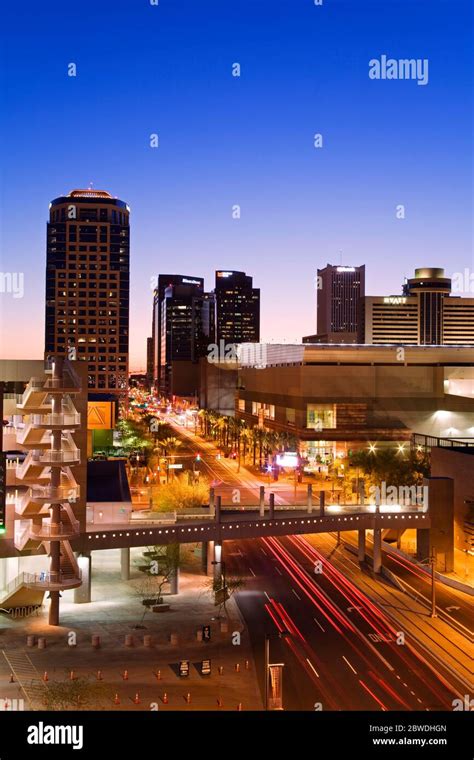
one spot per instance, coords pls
(340, 291)
(88, 287)
(194, 285)
(237, 308)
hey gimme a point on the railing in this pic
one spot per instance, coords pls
(11, 587)
(57, 418)
(50, 494)
(432, 441)
(45, 578)
(49, 531)
(58, 456)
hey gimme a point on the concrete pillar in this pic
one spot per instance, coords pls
(212, 497)
(204, 556)
(322, 502)
(210, 558)
(309, 499)
(83, 593)
(215, 559)
(361, 552)
(218, 508)
(377, 550)
(440, 492)
(271, 507)
(125, 564)
(262, 501)
(174, 581)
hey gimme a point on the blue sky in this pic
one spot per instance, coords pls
(167, 69)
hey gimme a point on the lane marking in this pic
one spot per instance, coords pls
(312, 667)
(347, 661)
(298, 597)
(278, 571)
(317, 621)
(252, 572)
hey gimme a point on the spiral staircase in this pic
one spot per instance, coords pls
(46, 511)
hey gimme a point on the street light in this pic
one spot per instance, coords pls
(268, 665)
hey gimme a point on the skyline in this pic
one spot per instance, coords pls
(249, 141)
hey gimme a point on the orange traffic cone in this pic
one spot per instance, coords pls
(116, 700)
(99, 675)
(237, 667)
(137, 698)
(165, 698)
(125, 675)
(219, 702)
(239, 706)
(188, 698)
(45, 676)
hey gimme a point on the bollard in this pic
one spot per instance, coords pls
(45, 676)
(147, 640)
(188, 698)
(116, 700)
(129, 640)
(174, 639)
(262, 501)
(165, 698)
(95, 640)
(30, 641)
(237, 667)
(41, 643)
(99, 675)
(125, 675)
(247, 665)
(137, 698)
(220, 670)
(72, 676)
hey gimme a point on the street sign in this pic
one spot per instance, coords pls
(206, 668)
(206, 633)
(175, 467)
(184, 668)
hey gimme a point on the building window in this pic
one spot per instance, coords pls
(319, 416)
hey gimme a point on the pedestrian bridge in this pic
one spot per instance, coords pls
(248, 522)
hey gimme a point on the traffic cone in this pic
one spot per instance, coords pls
(188, 698)
(45, 676)
(137, 698)
(219, 702)
(116, 700)
(99, 675)
(125, 675)
(158, 675)
(239, 707)
(165, 698)
(237, 667)
(247, 665)
(221, 670)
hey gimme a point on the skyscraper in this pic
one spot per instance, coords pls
(237, 308)
(87, 285)
(340, 290)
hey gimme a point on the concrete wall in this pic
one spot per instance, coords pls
(460, 467)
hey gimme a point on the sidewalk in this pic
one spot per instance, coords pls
(112, 614)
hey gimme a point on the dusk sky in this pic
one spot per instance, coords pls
(223, 140)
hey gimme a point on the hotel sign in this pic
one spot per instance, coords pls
(395, 300)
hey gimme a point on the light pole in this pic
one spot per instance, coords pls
(432, 562)
(267, 666)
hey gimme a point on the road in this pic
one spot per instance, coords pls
(340, 650)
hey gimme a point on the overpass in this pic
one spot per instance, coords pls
(254, 522)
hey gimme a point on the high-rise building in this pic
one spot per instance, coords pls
(166, 281)
(87, 286)
(424, 314)
(149, 363)
(340, 290)
(237, 308)
(187, 321)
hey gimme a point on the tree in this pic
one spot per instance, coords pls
(81, 693)
(223, 588)
(180, 494)
(392, 466)
(157, 564)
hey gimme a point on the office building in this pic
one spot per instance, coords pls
(425, 313)
(339, 293)
(87, 286)
(237, 308)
